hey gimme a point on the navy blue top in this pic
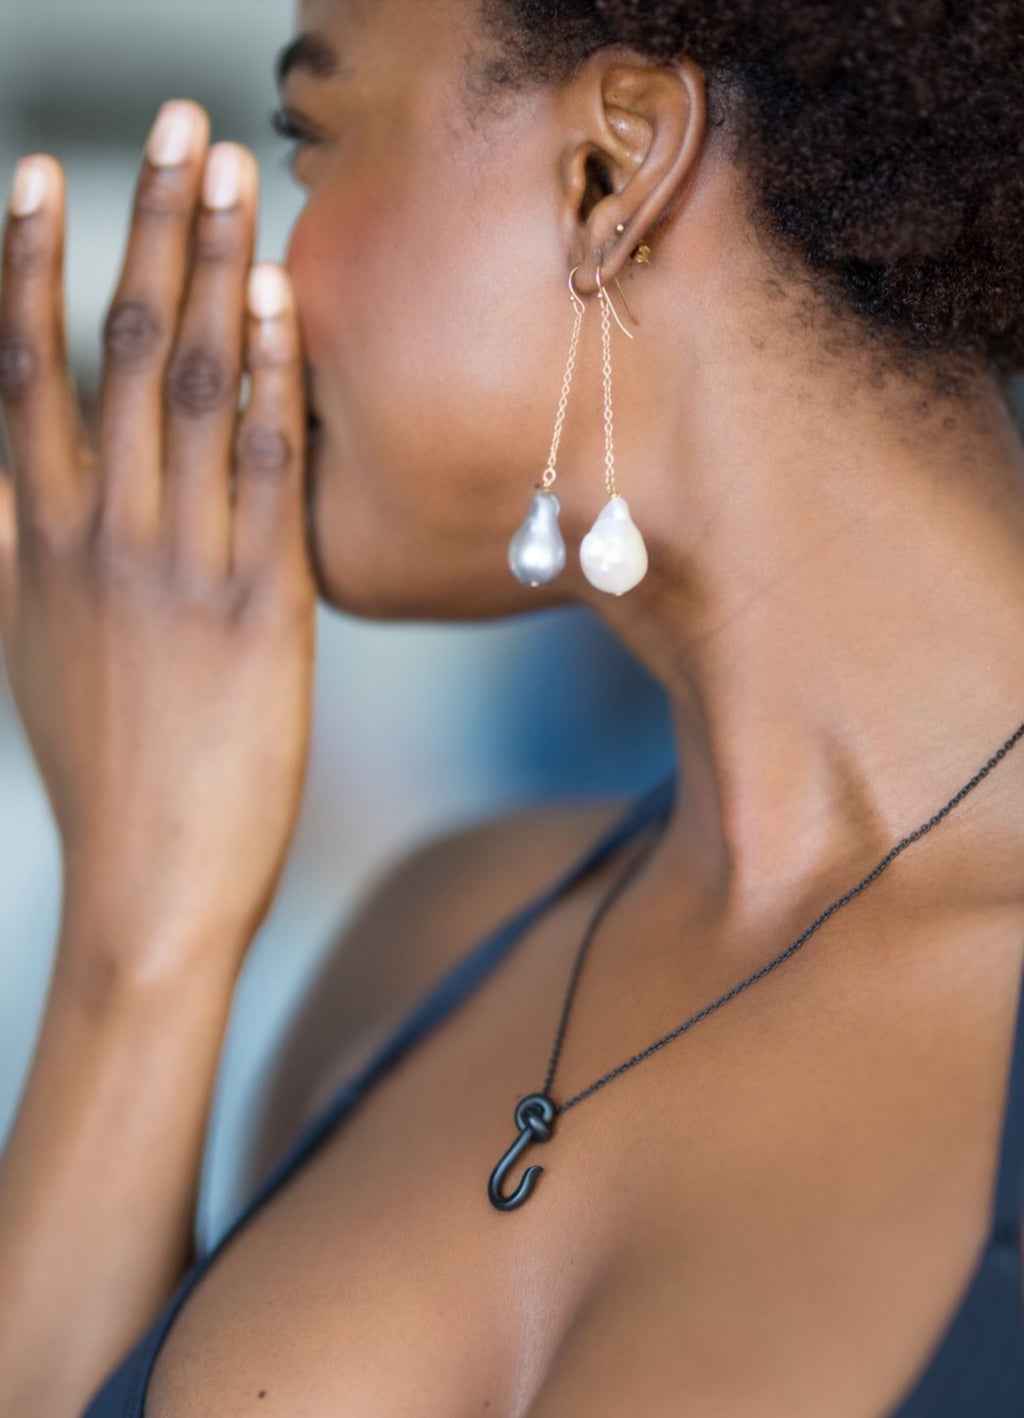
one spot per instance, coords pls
(976, 1369)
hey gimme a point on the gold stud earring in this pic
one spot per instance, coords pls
(641, 254)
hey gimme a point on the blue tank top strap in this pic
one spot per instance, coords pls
(1009, 1200)
(124, 1393)
(453, 988)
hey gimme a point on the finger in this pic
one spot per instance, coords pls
(35, 386)
(140, 328)
(202, 388)
(8, 551)
(269, 519)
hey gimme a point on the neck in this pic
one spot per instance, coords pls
(835, 606)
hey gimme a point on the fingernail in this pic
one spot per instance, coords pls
(172, 134)
(222, 183)
(28, 190)
(268, 292)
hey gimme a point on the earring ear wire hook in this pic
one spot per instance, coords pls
(577, 299)
(603, 295)
(629, 308)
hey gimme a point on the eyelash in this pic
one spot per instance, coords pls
(285, 126)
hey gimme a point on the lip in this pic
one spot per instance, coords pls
(314, 443)
(311, 468)
(313, 419)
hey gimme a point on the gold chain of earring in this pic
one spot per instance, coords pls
(550, 472)
(607, 312)
(609, 417)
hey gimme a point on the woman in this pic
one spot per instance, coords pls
(784, 1115)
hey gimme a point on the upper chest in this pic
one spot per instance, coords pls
(774, 1213)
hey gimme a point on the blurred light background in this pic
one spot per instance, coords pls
(418, 728)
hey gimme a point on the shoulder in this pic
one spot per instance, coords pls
(415, 920)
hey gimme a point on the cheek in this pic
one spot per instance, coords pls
(430, 321)
(323, 259)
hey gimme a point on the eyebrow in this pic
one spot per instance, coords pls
(309, 52)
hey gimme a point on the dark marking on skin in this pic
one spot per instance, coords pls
(164, 193)
(29, 244)
(262, 1393)
(263, 450)
(198, 383)
(218, 240)
(18, 365)
(131, 335)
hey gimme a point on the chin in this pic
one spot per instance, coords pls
(365, 566)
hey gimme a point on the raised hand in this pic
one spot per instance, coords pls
(157, 604)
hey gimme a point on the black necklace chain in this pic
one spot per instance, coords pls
(535, 1114)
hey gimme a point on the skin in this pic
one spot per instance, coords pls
(724, 400)
(834, 606)
(156, 594)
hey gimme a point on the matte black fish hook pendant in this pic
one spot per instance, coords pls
(534, 1115)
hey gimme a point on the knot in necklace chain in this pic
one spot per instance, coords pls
(536, 1114)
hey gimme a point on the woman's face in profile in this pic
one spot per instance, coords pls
(430, 275)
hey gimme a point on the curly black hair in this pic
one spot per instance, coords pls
(882, 142)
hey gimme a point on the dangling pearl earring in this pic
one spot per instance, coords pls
(613, 554)
(536, 554)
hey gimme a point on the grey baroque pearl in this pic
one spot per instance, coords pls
(536, 554)
(613, 554)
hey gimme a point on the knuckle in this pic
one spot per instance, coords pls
(49, 539)
(192, 586)
(235, 598)
(199, 382)
(280, 602)
(19, 365)
(132, 334)
(163, 194)
(219, 240)
(123, 564)
(29, 245)
(112, 556)
(263, 450)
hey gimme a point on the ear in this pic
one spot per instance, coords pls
(641, 128)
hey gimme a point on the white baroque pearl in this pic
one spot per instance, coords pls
(536, 554)
(613, 554)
